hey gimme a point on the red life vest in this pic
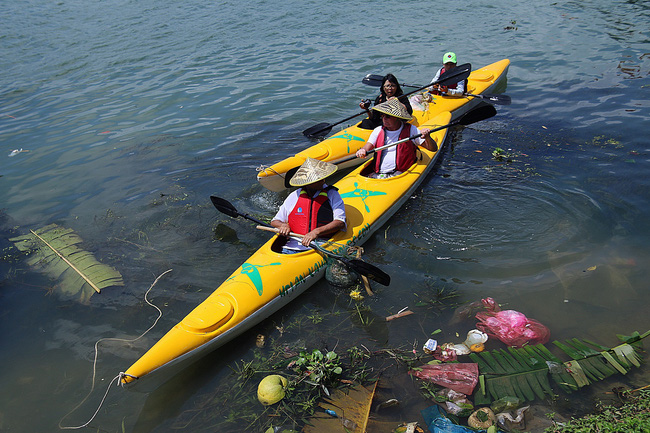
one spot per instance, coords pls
(311, 212)
(444, 88)
(405, 152)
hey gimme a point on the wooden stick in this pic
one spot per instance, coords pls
(275, 230)
(68, 262)
(398, 315)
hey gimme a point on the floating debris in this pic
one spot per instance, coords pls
(17, 151)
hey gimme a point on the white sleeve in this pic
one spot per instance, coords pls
(338, 207)
(437, 76)
(414, 131)
(373, 136)
(459, 90)
(287, 207)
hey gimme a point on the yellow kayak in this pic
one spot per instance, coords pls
(490, 79)
(269, 280)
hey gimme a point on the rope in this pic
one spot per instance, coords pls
(121, 374)
(264, 168)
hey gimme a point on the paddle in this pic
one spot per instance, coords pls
(455, 75)
(359, 266)
(376, 80)
(482, 112)
(324, 128)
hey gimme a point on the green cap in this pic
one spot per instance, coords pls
(449, 58)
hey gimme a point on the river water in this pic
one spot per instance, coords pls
(131, 114)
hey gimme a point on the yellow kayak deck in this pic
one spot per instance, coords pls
(346, 142)
(268, 280)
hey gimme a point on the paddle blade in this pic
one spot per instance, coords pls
(317, 130)
(481, 112)
(224, 206)
(368, 270)
(373, 80)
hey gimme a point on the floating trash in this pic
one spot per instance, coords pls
(430, 346)
(17, 151)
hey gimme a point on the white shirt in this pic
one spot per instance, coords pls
(458, 91)
(338, 209)
(388, 160)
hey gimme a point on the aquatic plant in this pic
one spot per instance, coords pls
(633, 415)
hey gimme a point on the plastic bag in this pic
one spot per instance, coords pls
(511, 327)
(508, 422)
(437, 422)
(461, 377)
(456, 403)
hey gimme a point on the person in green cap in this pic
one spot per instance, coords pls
(448, 63)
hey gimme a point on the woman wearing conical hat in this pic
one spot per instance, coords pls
(396, 159)
(315, 210)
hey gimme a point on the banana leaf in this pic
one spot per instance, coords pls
(524, 372)
(54, 251)
(521, 373)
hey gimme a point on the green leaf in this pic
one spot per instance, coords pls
(54, 251)
(613, 362)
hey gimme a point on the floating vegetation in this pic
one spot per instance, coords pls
(602, 141)
(524, 372)
(512, 26)
(436, 297)
(632, 414)
(54, 251)
(309, 377)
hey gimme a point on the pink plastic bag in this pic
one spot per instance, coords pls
(509, 326)
(461, 377)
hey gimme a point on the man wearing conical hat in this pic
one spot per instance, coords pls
(314, 210)
(394, 160)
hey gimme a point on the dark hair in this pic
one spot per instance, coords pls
(392, 79)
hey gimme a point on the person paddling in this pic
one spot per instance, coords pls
(389, 87)
(457, 89)
(315, 210)
(396, 159)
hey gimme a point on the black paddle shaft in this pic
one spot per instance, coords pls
(376, 80)
(455, 75)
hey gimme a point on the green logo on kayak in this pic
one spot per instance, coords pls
(349, 137)
(254, 274)
(363, 194)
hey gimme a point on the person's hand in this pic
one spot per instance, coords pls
(425, 132)
(365, 104)
(309, 238)
(284, 229)
(361, 153)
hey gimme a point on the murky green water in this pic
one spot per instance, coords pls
(130, 114)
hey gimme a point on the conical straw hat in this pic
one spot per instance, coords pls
(393, 108)
(312, 170)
